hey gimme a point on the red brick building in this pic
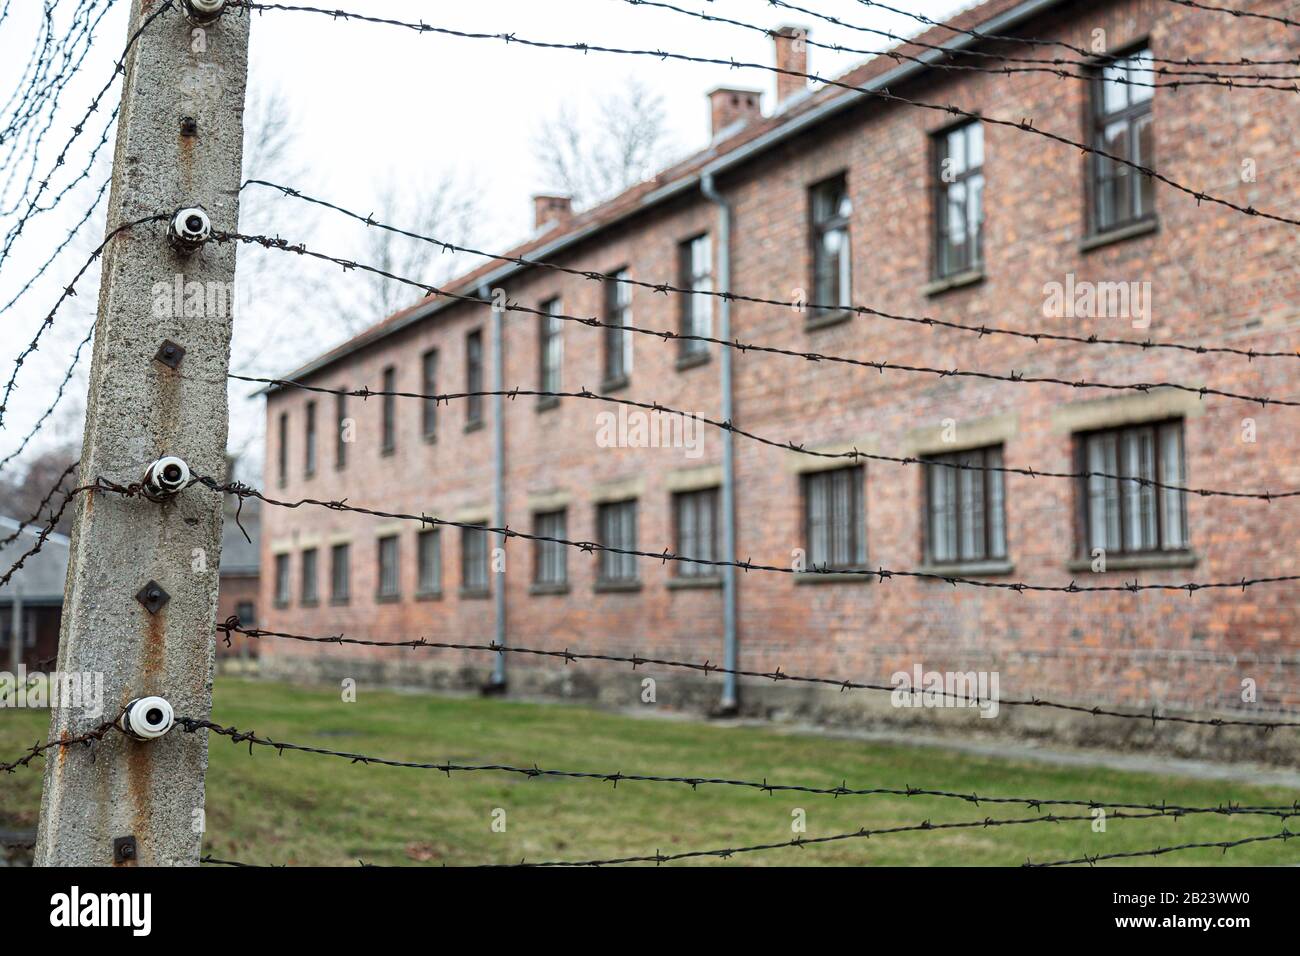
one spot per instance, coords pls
(830, 197)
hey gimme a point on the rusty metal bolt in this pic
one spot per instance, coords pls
(189, 229)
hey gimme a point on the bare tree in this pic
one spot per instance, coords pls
(446, 208)
(593, 159)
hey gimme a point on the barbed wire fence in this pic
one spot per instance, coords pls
(32, 109)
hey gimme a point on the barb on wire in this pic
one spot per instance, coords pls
(1024, 125)
(1058, 67)
(1237, 12)
(803, 841)
(68, 292)
(791, 446)
(232, 625)
(1224, 845)
(36, 515)
(85, 739)
(58, 397)
(665, 288)
(236, 736)
(882, 574)
(1088, 55)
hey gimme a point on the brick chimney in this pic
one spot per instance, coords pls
(551, 209)
(728, 106)
(791, 54)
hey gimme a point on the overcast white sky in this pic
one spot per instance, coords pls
(372, 106)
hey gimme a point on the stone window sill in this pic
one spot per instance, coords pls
(614, 587)
(340, 601)
(474, 425)
(1139, 562)
(692, 360)
(545, 402)
(475, 594)
(387, 598)
(1111, 236)
(428, 595)
(825, 320)
(958, 280)
(614, 384)
(540, 589)
(969, 569)
(694, 584)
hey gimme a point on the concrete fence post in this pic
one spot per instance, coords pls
(157, 388)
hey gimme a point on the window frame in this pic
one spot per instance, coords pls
(614, 569)
(858, 521)
(469, 561)
(382, 593)
(987, 554)
(309, 577)
(974, 259)
(691, 500)
(474, 358)
(1084, 492)
(340, 446)
(820, 226)
(548, 555)
(282, 453)
(550, 350)
(283, 580)
(431, 588)
(309, 440)
(700, 283)
(429, 386)
(388, 411)
(344, 594)
(1097, 120)
(617, 305)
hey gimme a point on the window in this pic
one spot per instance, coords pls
(1122, 126)
(282, 453)
(474, 560)
(695, 267)
(830, 236)
(550, 559)
(959, 202)
(340, 573)
(429, 386)
(428, 555)
(965, 507)
(308, 583)
(388, 433)
(1129, 517)
(341, 435)
(616, 524)
(309, 456)
(833, 518)
(474, 378)
(282, 580)
(550, 348)
(388, 580)
(695, 517)
(246, 611)
(618, 315)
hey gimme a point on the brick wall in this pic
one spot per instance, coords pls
(1216, 277)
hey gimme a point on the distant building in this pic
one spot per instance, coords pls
(38, 588)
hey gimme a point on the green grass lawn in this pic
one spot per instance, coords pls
(300, 808)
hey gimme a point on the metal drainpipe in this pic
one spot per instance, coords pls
(498, 682)
(730, 700)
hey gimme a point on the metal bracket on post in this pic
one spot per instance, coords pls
(124, 850)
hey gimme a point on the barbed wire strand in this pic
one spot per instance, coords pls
(1237, 12)
(882, 574)
(1089, 55)
(1224, 845)
(854, 455)
(232, 625)
(40, 508)
(665, 288)
(1024, 125)
(1055, 68)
